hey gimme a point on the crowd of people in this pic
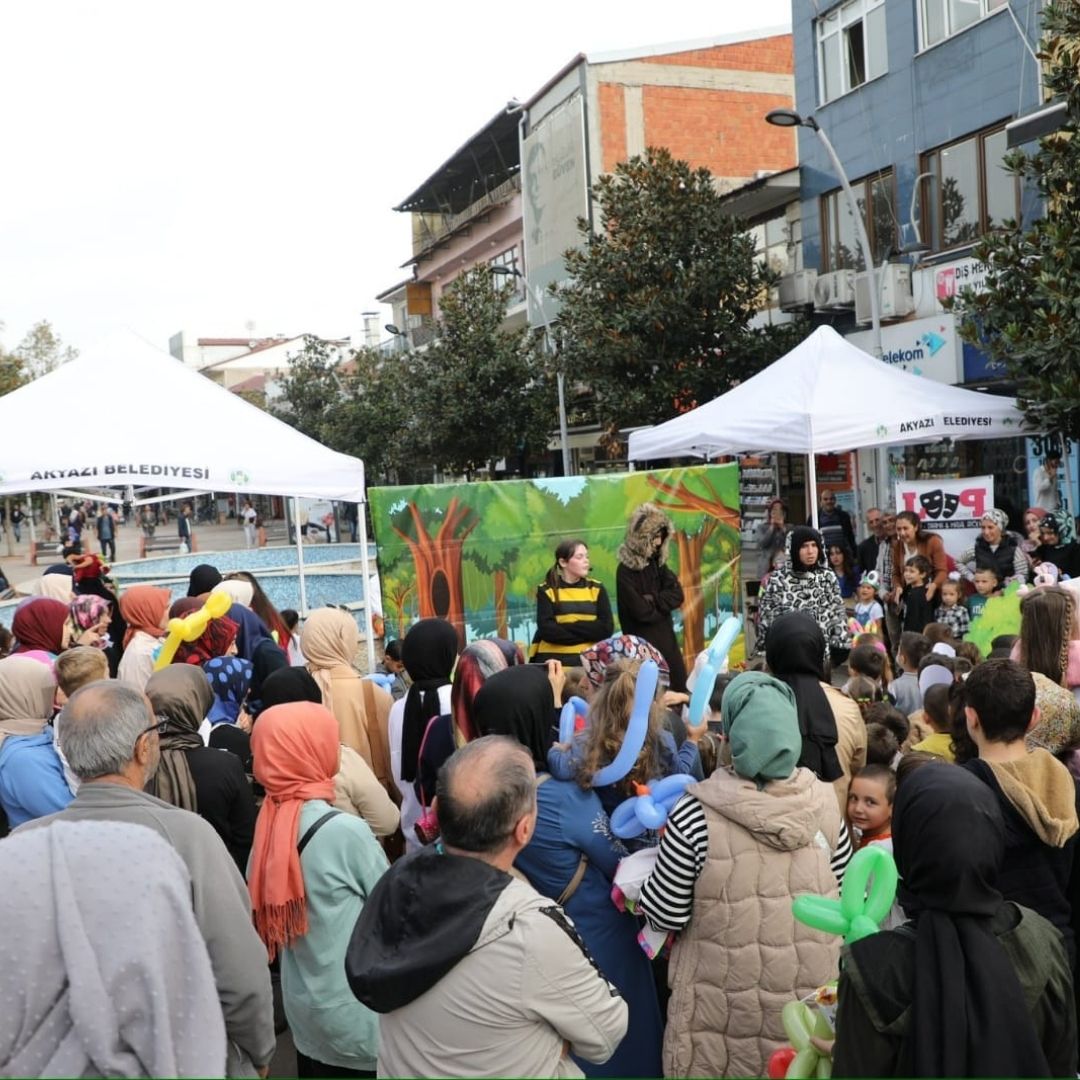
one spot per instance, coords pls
(422, 872)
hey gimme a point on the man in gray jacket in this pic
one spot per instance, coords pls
(108, 734)
(474, 972)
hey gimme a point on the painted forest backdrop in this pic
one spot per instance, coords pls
(474, 553)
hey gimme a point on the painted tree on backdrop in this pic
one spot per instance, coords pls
(1026, 317)
(656, 315)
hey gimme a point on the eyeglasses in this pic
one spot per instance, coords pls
(161, 725)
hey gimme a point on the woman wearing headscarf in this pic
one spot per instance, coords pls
(192, 775)
(42, 625)
(330, 641)
(217, 640)
(572, 858)
(832, 728)
(90, 616)
(736, 849)
(807, 583)
(312, 869)
(122, 983)
(974, 985)
(230, 679)
(995, 548)
(428, 651)
(91, 580)
(476, 664)
(254, 643)
(146, 611)
(203, 578)
(32, 781)
(356, 788)
(1057, 532)
(260, 603)
(647, 589)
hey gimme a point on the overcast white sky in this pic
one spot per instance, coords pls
(216, 163)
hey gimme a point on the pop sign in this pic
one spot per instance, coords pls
(952, 508)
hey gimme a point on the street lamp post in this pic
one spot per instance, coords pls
(790, 118)
(560, 380)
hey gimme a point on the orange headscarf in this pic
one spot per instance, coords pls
(297, 752)
(143, 607)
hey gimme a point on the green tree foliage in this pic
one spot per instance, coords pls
(655, 318)
(481, 390)
(43, 350)
(311, 391)
(1027, 318)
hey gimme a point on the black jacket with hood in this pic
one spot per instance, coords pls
(647, 590)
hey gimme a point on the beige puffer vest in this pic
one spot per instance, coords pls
(743, 956)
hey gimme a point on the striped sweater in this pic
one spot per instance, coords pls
(569, 619)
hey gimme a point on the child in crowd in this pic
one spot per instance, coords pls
(1036, 792)
(915, 608)
(951, 610)
(877, 642)
(75, 668)
(987, 584)
(869, 613)
(969, 651)
(863, 691)
(905, 690)
(291, 619)
(597, 746)
(889, 716)
(392, 665)
(881, 746)
(936, 716)
(869, 807)
(870, 662)
(576, 684)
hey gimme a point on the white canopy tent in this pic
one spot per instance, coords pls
(825, 396)
(125, 414)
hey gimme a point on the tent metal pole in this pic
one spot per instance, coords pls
(1067, 500)
(300, 558)
(811, 487)
(365, 570)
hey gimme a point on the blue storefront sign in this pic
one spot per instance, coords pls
(979, 367)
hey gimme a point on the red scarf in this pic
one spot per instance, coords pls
(297, 751)
(214, 641)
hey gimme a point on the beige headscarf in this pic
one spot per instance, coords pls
(55, 586)
(26, 696)
(241, 591)
(329, 642)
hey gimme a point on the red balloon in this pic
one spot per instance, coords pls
(779, 1060)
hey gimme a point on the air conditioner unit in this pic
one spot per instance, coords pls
(797, 290)
(835, 290)
(894, 295)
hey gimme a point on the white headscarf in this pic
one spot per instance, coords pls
(114, 979)
(241, 591)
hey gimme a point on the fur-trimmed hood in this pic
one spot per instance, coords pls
(646, 523)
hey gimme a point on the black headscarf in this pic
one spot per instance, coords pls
(803, 534)
(290, 684)
(518, 702)
(203, 578)
(795, 653)
(428, 652)
(969, 1017)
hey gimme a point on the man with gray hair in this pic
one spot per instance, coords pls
(109, 736)
(475, 973)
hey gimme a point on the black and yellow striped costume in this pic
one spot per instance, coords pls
(569, 619)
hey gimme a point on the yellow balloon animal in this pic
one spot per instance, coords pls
(191, 627)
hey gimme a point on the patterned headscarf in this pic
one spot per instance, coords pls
(1063, 524)
(88, 611)
(604, 653)
(230, 679)
(998, 517)
(214, 641)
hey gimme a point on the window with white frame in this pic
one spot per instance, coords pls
(509, 259)
(840, 245)
(943, 18)
(850, 47)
